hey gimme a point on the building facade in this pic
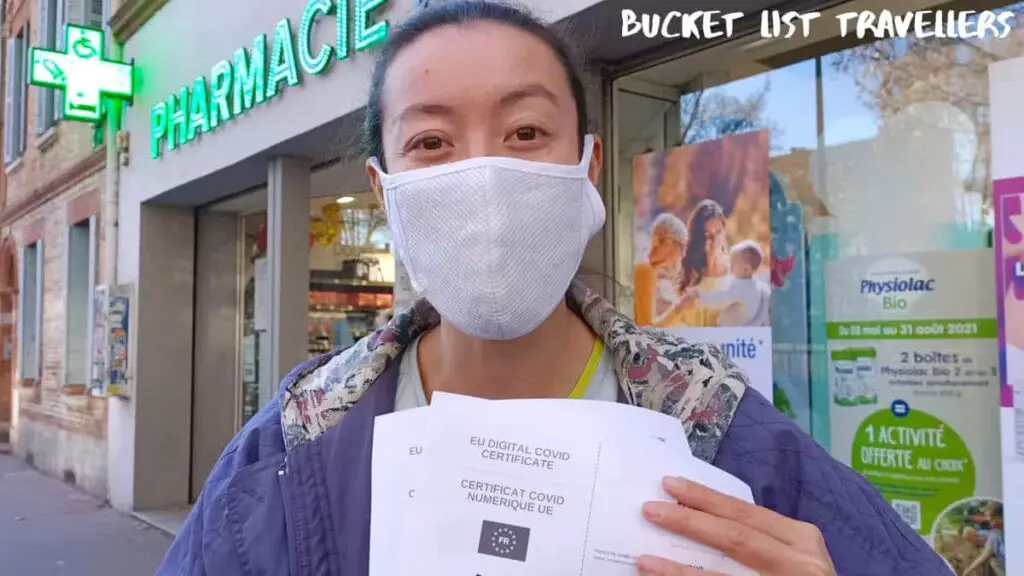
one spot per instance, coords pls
(226, 178)
(53, 184)
(858, 172)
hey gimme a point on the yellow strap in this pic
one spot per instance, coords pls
(588, 372)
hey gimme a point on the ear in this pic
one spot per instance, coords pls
(373, 173)
(596, 161)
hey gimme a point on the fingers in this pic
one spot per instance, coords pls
(753, 536)
(742, 543)
(700, 497)
(655, 566)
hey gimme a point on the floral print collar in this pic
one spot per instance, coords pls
(694, 382)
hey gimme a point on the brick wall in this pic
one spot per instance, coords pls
(49, 157)
(58, 182)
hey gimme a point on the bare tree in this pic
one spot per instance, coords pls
(711, 113)
(893, 74)
(358, 227)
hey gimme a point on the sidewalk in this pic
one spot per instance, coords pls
(50, 529)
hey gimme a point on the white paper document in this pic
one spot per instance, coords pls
(530, 487)
(397, 453)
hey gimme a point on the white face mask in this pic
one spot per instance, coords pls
(493, 243)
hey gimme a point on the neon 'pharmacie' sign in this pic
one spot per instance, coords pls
(249, 79)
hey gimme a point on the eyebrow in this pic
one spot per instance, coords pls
(425, 109)
(526, 92)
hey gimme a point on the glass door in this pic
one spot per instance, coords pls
(254, 318)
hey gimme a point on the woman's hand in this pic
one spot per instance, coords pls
(756, 537)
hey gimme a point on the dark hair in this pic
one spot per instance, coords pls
(456, 13)
(997, 510)
(695, 261)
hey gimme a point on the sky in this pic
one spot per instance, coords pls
(791, 102)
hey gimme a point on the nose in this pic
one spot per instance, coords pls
(482, 142)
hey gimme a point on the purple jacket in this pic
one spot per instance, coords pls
(308, 514)
(291, 493)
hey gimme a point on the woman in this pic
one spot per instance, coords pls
(477, 126)
(706, 262)
(705, 266)
(656, 280)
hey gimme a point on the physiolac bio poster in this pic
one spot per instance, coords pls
(914, 388)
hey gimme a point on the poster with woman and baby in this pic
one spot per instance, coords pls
(702, 237)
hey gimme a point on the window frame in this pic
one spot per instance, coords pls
(90, 224)
(16, 101)
(37, 317)
(49, 104)
(22, 79)
(94, 19)
(10, 101)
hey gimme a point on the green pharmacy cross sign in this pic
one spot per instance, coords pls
(82, 73)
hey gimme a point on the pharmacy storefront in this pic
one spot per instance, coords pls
(823, 207)
(229, 174)
(829, 210)
(239, 152)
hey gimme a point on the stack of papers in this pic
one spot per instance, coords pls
(530, 487)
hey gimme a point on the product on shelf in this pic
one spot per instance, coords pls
(864, 362)
(844, 391)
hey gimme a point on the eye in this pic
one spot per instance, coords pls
(427, 147)
(431, 143)
(526, 134)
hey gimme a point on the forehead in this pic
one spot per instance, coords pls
(469, 65)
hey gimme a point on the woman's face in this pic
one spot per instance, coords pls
(477, 89)
(666, 249)
(714, 238)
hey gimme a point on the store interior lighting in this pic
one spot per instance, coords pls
(345, 200)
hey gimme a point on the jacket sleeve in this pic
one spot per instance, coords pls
(205, 546)
(791, 474)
